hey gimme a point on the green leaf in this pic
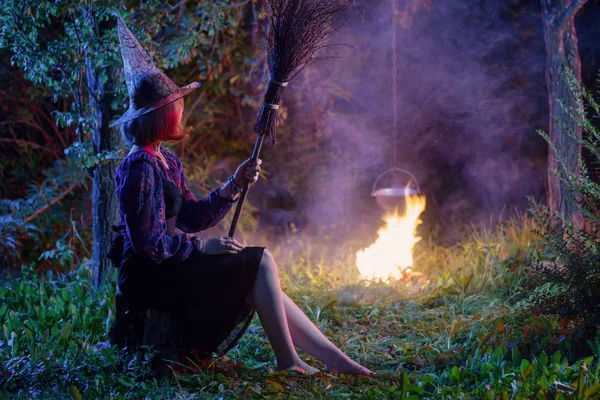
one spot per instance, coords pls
(75, 392)
(273, 386)
(455, 373)
(125, 382)
(66, 332)
(516, 356)
(525, 369)
(405, 384)
(592, 391)
(580, 384)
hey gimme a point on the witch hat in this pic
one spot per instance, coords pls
(148, 87)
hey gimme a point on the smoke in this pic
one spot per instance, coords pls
(588, 31)
(471, 95)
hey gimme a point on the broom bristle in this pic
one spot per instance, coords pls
(296, 31)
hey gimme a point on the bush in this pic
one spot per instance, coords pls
(567, 286)
(55, 338)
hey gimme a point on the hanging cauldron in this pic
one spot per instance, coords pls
(400, 184)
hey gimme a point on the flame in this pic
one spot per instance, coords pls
(392, 251)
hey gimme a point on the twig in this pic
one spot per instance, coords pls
(30, 124)
(182, 2)
(76, 232)
(235, 5)
(53, 202)
(199, 98)
(564, 387)
(77, 94)
(91, 92)
(35, 126)
(27, 143)
(41, 112)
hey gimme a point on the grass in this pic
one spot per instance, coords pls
(455, 328)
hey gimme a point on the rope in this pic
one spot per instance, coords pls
(394, 83)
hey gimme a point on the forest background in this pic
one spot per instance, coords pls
(471, 96)
(501, 302)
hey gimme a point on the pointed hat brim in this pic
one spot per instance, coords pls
(149, 89)
(133, 113)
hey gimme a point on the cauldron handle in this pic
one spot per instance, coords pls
(395, 169)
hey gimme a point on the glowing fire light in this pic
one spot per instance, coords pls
(392, 251)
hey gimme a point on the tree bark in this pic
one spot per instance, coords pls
(104, 203)
(562, 54)
(134, 327)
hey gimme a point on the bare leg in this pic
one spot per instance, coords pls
(268, 301)
(310, 339)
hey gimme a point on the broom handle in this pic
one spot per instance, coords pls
(240, 205)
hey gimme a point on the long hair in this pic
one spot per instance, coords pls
(158, 125)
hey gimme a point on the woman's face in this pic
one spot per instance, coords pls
(178, 133)
(179, 110)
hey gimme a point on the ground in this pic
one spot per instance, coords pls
(457, 327)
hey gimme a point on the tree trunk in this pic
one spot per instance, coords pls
(104, 203)
(562, 55)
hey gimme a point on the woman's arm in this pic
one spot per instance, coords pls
(143, 206)
(198, 215)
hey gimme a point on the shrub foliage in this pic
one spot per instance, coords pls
(566, 285)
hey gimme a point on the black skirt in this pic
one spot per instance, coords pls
(208, 295)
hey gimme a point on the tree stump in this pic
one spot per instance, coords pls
(127, 331)
(162, 334)
(134, 327)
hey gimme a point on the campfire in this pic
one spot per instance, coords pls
(391, 256)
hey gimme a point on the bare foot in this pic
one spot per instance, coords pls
(350, 367)
(300, 367)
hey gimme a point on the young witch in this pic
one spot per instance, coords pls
(209, 285)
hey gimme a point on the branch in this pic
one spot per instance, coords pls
(53, 202)
(569, 12)
(182, 2)
(34, 125)
(27, 143)
(235, 5)
(76, 232)
(41, 112)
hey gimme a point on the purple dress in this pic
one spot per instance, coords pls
(162, 269)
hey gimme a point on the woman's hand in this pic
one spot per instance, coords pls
(247, 172)
(222, 245)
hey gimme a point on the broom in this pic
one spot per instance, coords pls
(296, 30)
